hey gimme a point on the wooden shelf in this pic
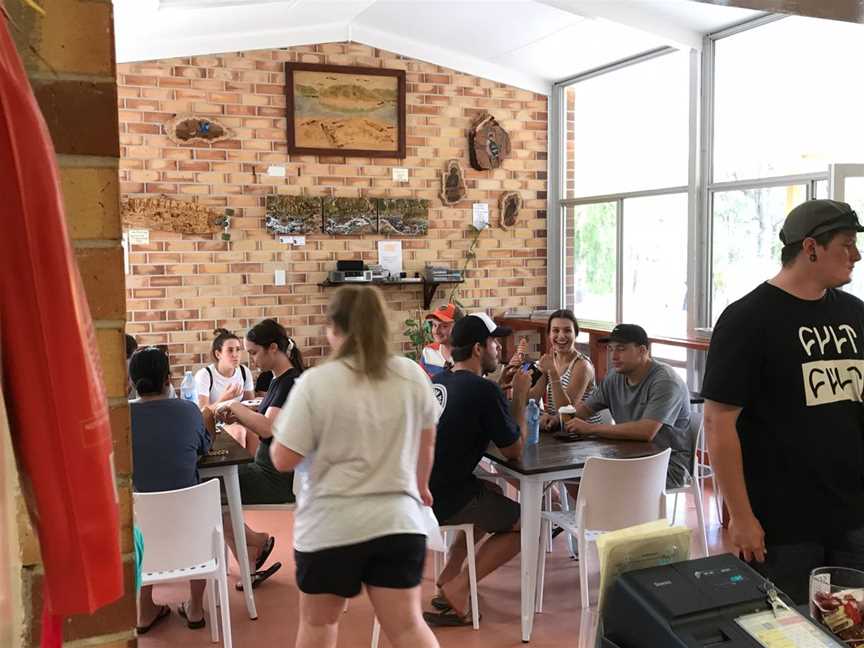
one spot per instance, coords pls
(429, 287)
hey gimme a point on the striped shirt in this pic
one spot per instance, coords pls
(549, 401)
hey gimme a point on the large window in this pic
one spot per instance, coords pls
(747, 243)
(627, 130)
(787, 100)
(626, 207)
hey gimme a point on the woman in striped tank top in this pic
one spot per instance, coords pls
(568, 375)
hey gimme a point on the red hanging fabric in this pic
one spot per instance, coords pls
(52, 378)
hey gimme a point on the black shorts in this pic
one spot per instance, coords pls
(394, 561)
(489, 510)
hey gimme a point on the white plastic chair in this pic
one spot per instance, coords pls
(183, 540)
(693, 485)
(450, 532)
(613, 494)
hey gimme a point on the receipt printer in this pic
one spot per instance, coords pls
(690, 604)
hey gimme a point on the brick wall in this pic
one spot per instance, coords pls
(69, 56)
(182, 286)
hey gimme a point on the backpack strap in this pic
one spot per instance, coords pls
(209, 373)
(243, 374)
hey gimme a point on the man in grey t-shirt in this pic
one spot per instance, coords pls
(647, 400)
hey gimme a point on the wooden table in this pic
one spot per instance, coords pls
(225, 466)
(596, 348)
(552, 460)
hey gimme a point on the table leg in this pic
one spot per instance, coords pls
(235, 508)
(531, 491)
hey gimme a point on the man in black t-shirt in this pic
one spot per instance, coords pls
(783, 411)
(475, 414)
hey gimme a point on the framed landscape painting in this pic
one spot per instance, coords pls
(345, 111)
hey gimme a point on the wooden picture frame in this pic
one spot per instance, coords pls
(346, 111)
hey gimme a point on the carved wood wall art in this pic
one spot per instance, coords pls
(453, 188)
(168, 215)
(510, 204)
(293, 214)
(488, 143)
(190, 129)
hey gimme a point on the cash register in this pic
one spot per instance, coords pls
(713, 602)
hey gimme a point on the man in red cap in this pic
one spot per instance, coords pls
(436, 356)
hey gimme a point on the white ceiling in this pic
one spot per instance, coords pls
(525, 43)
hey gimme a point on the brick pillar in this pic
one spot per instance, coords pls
(69, 56)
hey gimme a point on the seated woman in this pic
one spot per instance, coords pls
(168, 438)
(226, 380)
(271, 349)
(568, 375)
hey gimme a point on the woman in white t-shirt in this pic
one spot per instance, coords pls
(227, 380)
(363, 426)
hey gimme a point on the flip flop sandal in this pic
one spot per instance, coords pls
(163, 613)
(440, 603)
(264, 554)
(447, 619)
(260, 576)
(192, 625)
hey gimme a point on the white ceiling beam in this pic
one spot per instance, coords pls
(154, 46)
(452, 59)
(630, 14)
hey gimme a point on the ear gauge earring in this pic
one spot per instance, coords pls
(813, 257)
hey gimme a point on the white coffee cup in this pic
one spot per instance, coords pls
(565, 414)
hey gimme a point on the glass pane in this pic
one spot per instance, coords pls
(854, 195)
(590, 261)
(770, 117)
(627, 130)
(746, 239)
(655, 264)
(821, 189)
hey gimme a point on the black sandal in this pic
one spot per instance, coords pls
(192, 625)
(264, 554)
(163, 613)
(260, 576)
(440, 603)
(447, 619)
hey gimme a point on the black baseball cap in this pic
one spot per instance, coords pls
(626, 333)
(476, 328)
(816, 217)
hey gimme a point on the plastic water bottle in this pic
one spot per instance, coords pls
(187, 388)
(532, 421)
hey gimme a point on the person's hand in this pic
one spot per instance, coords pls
(546, 363)
(521, 383)
(519, 356)
(425, 496)
(577, 426)
(506, 376)
(231, 392)
(548, 422)
(748, 538)
(226, 414)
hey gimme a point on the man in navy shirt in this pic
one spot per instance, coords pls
(475, 414)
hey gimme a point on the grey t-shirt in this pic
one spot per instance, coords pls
(660, 396)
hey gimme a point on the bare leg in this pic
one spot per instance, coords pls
(456, 556)
(496, 551)
(195, 608)
(254, 540)
(147, 609)
(319, 620)
(401, 617)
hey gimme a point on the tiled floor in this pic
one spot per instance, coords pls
(561, 623)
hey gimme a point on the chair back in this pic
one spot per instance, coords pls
(696, 431)
(618, 493)
(179, 526)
